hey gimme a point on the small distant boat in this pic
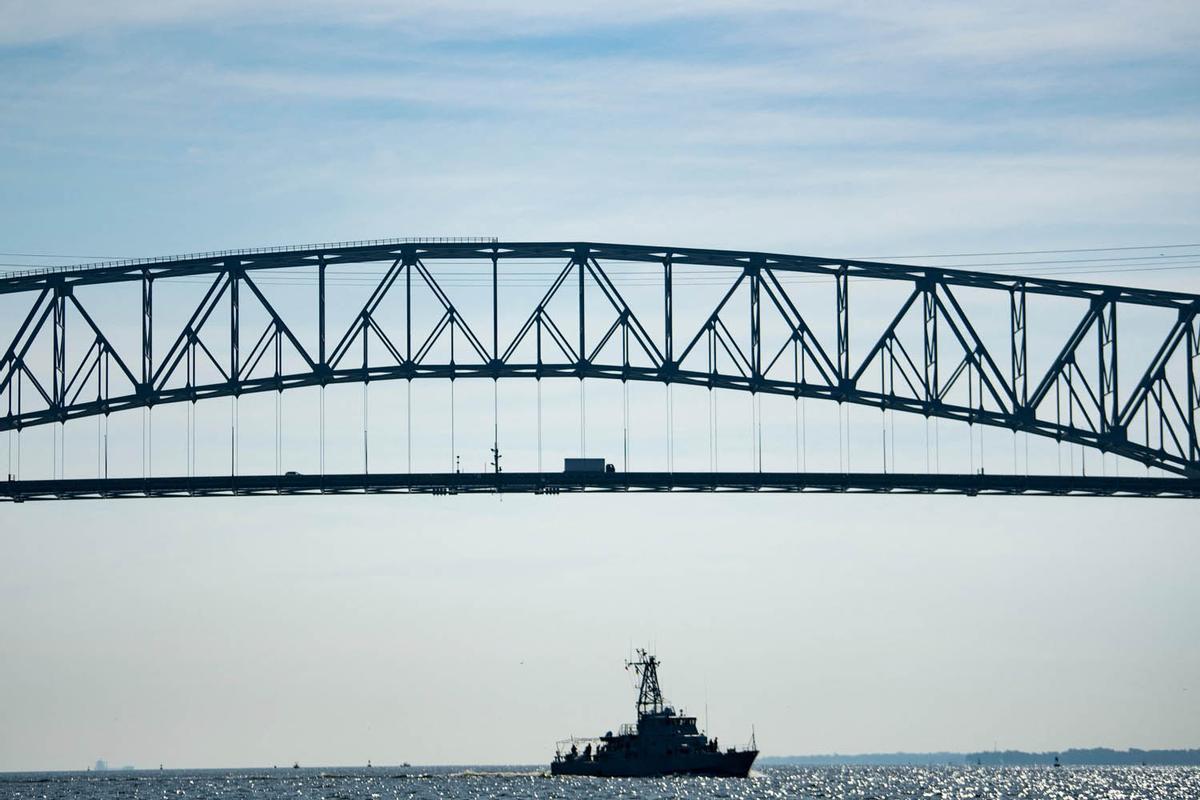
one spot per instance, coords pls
(1057, 763)
(295, 765)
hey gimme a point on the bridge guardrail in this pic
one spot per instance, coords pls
(129, 262)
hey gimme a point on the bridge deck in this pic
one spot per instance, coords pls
(558, 482)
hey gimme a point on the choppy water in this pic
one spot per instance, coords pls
(454, 783)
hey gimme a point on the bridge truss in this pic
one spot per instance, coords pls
(936, 351)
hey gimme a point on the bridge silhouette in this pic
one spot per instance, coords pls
(1033, 356)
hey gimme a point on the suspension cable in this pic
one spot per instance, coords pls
(234, 420)
(796, 434)
(841, 456)
(582, 419)
(711, 463)
(892, 428)
(758, 428)
(937, 444)
(982, 450)
(278, 431)
(883, 435)
(753, 430)
(670, 429)
(848, 437)
(804, 434)
(927, 445)
(716, 432)
(971, 444)
(625, 423)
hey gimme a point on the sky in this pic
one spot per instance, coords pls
(221, 632)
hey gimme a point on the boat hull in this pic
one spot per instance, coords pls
(735, 764)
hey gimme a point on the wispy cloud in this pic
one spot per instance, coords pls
(867, 126)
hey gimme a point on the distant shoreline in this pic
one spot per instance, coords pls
(1092, 757)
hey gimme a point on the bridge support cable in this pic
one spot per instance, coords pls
(755, 457)
(234, 419)
(624, 426)
(189, 439)
(670, 397)
(278, 432)
(883, 437)
(844, 430)
(804, 434)
(716, 398)
(892, 431)
(937, 445)
(711, 463)
(928, 455)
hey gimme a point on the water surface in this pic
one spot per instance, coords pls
(458, 783)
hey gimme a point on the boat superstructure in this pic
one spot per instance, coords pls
(662, 742)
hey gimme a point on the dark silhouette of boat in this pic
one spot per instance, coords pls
(661, 743)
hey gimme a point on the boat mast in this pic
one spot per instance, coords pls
(650, 699)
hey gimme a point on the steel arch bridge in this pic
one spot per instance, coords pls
(929, 355)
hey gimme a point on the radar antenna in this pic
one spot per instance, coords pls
(650, 699)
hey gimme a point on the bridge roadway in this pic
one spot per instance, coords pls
(441, 483)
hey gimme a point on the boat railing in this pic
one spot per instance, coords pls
(562, 748)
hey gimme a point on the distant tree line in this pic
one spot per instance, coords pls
(1093, 756)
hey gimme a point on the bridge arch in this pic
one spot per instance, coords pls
(927, 350)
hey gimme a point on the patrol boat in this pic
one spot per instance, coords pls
(662, 743)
